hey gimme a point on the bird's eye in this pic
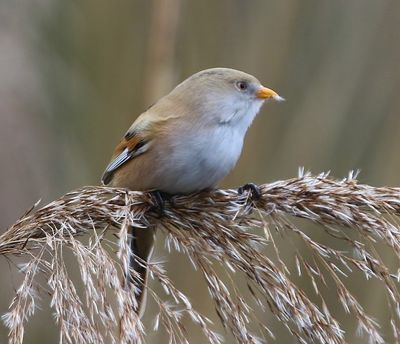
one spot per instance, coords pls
(242, 85)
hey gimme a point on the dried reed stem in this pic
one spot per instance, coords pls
(219, 226)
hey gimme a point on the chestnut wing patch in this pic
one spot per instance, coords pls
(129, 148)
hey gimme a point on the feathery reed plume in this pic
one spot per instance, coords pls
(217, 226)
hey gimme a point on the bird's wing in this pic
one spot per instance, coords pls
(135, 142)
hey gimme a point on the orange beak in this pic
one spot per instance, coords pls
(267, 93)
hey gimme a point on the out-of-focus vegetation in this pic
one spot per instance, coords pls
(74, 75)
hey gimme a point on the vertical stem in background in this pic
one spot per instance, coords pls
(159, 66)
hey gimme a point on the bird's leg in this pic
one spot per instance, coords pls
(159, 198)
(254, 190)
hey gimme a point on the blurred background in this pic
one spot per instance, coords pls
(75, 74)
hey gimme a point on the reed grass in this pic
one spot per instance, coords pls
(218, 227)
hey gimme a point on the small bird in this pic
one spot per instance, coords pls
(186, 142)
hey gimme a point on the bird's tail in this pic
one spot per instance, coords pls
(142, 245)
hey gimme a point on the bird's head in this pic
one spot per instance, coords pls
(225, 96)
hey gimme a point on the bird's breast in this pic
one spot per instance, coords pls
(200, 159)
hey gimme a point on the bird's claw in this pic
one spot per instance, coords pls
(159, 198)
(254, 190)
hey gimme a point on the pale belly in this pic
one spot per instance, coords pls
(200, 163)
(191, 164)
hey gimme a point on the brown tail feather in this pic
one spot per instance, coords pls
(142, 244)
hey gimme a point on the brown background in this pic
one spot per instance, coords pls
(75, 74)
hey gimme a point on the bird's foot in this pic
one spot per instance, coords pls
(255, 191)
(159, 199)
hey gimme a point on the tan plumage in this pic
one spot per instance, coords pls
(186, 142)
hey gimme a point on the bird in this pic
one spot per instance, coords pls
(186, 142)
